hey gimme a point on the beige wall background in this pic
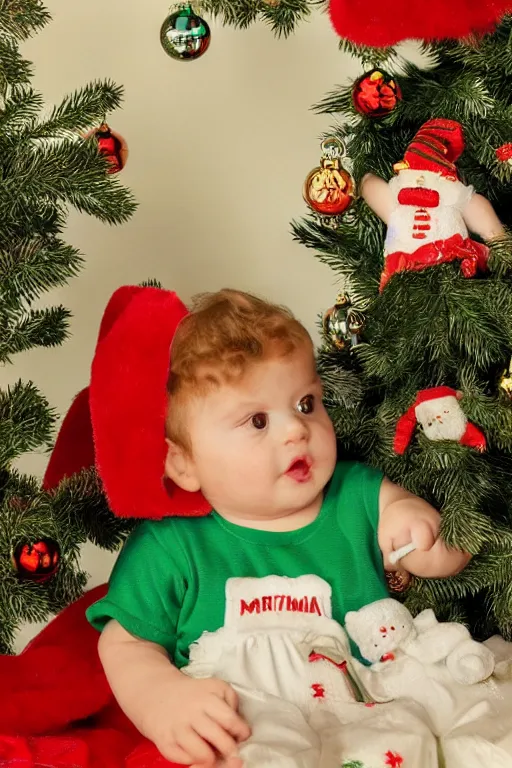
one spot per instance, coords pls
(219, 149)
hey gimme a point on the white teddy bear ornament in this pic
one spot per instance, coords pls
(385, 629)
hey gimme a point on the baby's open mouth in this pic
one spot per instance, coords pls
(300, 469)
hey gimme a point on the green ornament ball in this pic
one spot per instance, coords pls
(185, 35)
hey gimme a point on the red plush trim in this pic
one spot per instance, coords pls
(57, 709)
(128, 403)
(419, 197)
(472, 255)
(388, 22)
(58, 678)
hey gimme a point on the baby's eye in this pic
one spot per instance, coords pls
(306, 404)
(259, 420)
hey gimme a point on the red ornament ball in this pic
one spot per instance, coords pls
(37, 562)
(112, 146)
(504, 153)
(376, 94)
(329, 190)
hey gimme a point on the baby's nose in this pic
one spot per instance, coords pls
(296, 430)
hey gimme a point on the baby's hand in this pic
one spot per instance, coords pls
(195, 722)
(405, 519)
(422, 530)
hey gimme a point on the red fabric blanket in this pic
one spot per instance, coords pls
(56, 708)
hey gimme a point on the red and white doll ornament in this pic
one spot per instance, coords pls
(438, 412)
(429, 212)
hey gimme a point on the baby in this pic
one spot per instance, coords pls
(211, 625)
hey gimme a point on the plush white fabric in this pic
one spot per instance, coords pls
(299, 686)
(446, 219)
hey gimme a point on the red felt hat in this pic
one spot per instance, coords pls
(123, 411)
(436, 147)
(390, 21)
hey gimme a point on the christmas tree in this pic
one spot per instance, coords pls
(46, 166)
(417, 339)
(435, 334)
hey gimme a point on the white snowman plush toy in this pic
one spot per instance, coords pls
(384, 630)
(429, 212)
(434, 664)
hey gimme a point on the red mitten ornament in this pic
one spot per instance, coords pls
(428, 210)
(438, 411)
(387, 23)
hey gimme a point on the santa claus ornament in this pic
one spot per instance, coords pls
(438, 412)
(428, 210)
(387, 23)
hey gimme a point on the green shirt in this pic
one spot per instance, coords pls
(168, 584)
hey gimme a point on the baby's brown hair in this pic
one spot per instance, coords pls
(225, 333)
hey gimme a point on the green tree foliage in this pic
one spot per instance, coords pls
(45, 167)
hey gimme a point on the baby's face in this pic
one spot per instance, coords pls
(264, 448)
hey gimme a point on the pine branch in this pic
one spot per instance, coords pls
(14, 69)
(283, 17)
(26, 423)
(371, 58)
(45, 166)
(500, 257)
(32, 266)
(22, 105)
(36, 328)
(69, 172)
(437, 89)
(22, 18)
(80, 110)
(80, 504)
(342, 387)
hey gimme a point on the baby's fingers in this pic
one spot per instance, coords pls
(196, 747)
(176, 754)
(217, 736)
(231, 721)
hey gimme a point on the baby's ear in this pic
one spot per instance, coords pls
(180, 468)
